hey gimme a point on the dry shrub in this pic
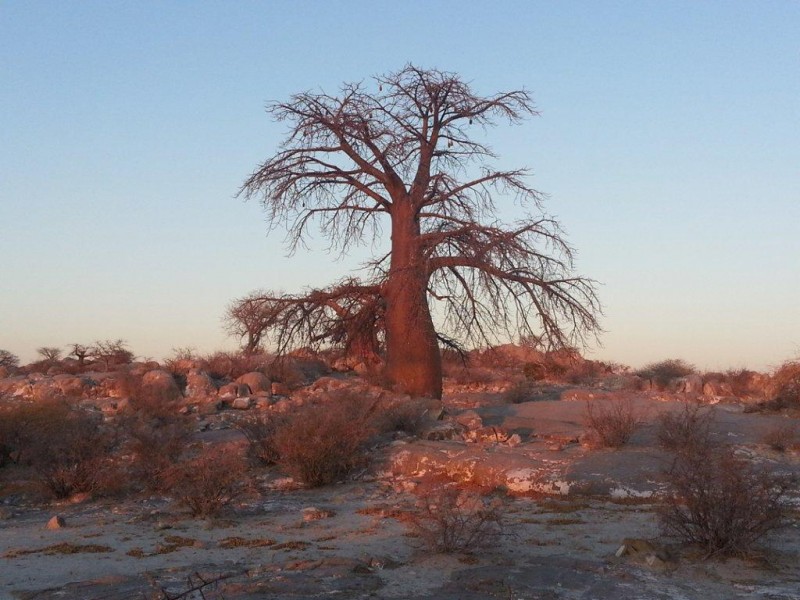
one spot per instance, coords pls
(321, 443)
(154, 431)
(519, 392)
(661, 373)
(722, 503)
(784, 386)
(468, 375)
(407, 416)
(611, 423)
(451, 519)
(207, 482)
(260, 433)
(154, 444)
(688, 428)
(68, 448)
(232, 365)
(783, 437)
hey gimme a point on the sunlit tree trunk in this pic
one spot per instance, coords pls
(413, 360)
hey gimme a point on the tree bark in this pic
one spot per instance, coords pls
(413, 360)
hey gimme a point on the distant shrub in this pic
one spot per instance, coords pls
(783, 438)
(784, 385)
(468, 375)
(661, 373)
(722, 503)
(231, 365)
(207, 482)
(611, 423)
(8, 360)
(111, 353)
(449, 519)
(519, 392)
(321, 443)
(686, 429)
(534, 371)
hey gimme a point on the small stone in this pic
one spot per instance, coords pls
(312, 513)
(56, 522)
(242, 403)
(514, 440)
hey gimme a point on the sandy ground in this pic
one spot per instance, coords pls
(560, 546)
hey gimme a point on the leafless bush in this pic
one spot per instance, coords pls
(321, 443)
(208, 482)
(68, 448)
(260, 432)
(519, 392)
(686, 430)
(154, 431)
(721, 502)
(231, 365)
(783, 438)
(661, 373)
(611, 423)
(784, 385)
(154, 445)
(450, 519)
(467, 375)
(408, 416)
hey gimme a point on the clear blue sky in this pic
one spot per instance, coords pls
(669, 145)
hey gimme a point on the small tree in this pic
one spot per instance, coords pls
(111, 352)
(402, 154)
(8, 360)
(80, 352)
(49, 353)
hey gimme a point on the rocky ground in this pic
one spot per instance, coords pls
(578, 521)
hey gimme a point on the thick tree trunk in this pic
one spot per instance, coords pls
(413, 361)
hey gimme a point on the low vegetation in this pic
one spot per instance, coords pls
(717, 500)
(451, 519)
(661, 373)
(611, 423)
(322, 443)
(208, 481)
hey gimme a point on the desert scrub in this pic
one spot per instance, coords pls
(723, 503)
(784, 386)
(451, 519)
(207, 482)
(68, 448)
(688, 428)
(260, 432)
(322, 443)
(783, 437)
(611, 423)
(661, 373)
(519, 392)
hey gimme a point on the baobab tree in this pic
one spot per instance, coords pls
(400, 152)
